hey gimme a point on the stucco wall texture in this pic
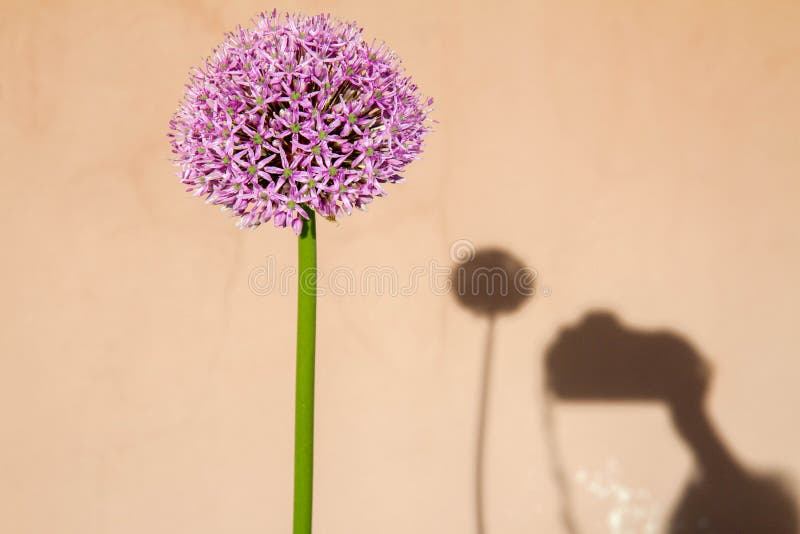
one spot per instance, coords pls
(642, 157)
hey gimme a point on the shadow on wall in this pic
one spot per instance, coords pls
(489, 282)
(602, 360)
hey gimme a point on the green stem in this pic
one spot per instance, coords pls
(304, 388)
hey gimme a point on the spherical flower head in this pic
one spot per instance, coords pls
(295, 114)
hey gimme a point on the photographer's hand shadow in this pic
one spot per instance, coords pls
(602, 360)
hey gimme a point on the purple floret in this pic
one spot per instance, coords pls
(297, 113)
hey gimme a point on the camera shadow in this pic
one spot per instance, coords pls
(601, 360)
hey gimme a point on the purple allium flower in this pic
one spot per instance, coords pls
(294, 114)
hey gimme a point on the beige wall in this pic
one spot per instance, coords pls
(643, 157)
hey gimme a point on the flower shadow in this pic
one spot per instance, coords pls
(490, 282)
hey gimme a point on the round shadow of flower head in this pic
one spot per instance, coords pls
(488, 282)
(491, 281)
